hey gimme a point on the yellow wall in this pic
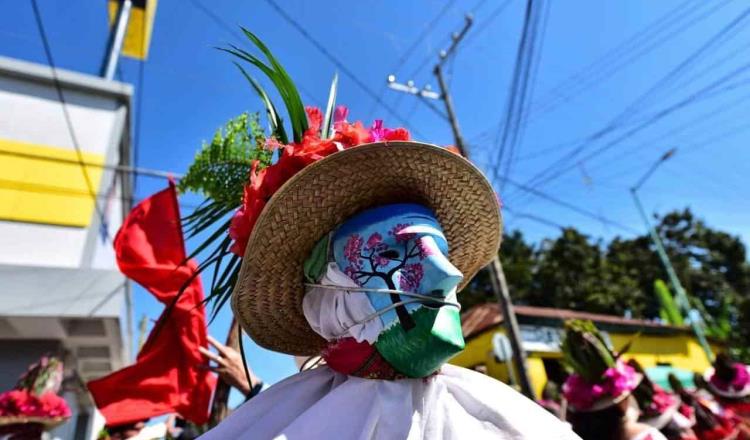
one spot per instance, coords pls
(680, 350)
(36, 190)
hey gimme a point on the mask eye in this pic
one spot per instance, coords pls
(389, 254)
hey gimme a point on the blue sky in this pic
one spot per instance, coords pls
(580, 86)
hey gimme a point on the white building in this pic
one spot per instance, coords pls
(60, 290)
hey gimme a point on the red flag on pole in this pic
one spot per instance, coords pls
(166, 377)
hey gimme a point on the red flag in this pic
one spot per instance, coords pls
(165, 378)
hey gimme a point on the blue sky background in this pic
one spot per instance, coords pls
(190, 89)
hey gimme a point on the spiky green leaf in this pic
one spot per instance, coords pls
(330, 108)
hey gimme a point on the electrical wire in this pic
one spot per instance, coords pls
(429, 27)
(620, 57)
(509, 137)
(534, 62)
(600, 218)
(552, 172)
(339, 64)
(230, 30)
(663, 113)
(614, 60)
(66, 115)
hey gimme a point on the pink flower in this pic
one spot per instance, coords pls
(425, 249)
(616, 380)
(353, 248)
(660, 401)
(410, 277)
(314, 120)
(24, 403)
(397, 231)
(741, 377)
(340, 114)
(740, 380)
(373, 241)
(263, 183)
(377, 131)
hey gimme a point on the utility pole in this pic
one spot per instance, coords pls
(497, 275)
(682, 298)
(116, 38)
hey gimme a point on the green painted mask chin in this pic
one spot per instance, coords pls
(421, 351)
(402, 247)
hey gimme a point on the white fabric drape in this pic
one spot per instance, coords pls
(330, 313)
(455, 404)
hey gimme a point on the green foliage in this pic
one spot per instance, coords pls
(669, 310)
(585, 351)
(572, 271)
(220, 169)
(330, 107)
(280, 79)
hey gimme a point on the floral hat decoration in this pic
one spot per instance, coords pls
(599, 379)
(34, 401)
(658, 407)
(728, 379)
(279, 191)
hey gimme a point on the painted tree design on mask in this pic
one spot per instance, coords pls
(375, 259)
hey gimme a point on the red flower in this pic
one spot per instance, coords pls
(264, 183)
(314, 120)
(351, 135)
(398, 134)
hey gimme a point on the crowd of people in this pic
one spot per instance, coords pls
(607, 397)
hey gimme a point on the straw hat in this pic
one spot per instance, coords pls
(267, 299)
(608, 401)
(730, 393)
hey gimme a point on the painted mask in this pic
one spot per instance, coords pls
(402, 247)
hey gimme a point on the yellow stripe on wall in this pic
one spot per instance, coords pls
(36, 189)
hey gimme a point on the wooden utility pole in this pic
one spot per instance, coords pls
(219, 406)
(497, 275)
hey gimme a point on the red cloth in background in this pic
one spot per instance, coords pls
(165, 378)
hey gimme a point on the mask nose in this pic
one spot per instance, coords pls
(446, 276)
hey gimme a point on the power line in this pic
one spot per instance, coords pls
(66, 114)
(340, 65)
(533, 217)
(512, 124)
(549, 173)
(620, 57)
(230, 30)
(660, 115)
(119, 168)
(570, 206)
(614, 60)
(70, 192)
(427, 29)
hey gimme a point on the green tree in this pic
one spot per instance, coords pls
(518, 259)
(574, 273)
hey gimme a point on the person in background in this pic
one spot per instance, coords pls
(551, 399)
(729, 382)
(660, 409)
(708, 424)
(230, 368)
(599, 392)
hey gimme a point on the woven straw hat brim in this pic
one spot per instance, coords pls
(664, 418)
(267, 299)
(729, 394)
(609, 401)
